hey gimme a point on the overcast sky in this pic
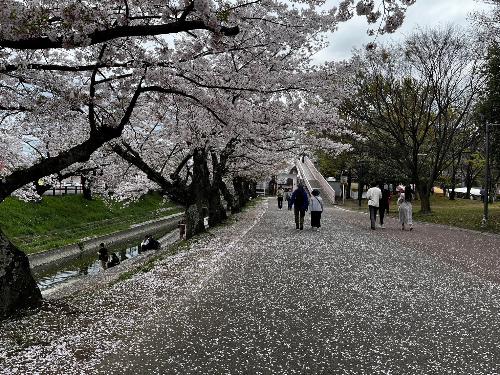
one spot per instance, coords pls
(424, 13)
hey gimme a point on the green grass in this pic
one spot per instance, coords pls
(460, 213)
(57, 221)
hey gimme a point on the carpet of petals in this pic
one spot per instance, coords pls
(257, 296)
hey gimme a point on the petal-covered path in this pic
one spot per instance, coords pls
(259, 297)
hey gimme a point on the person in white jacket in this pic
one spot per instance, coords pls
(374, 195)
(316, 210)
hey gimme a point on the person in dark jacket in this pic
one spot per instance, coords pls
(383, 204)
(103, 256)
(300, 202)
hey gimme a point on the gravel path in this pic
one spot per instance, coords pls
(259, 297)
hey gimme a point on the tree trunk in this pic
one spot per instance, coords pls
(468, 180)
(453, 183)
(253, 189)
(41, 189)
(227, 196)
(425, 193)
(349, 183)
(86, 190)
(360, 192)
(247, 190)
(18, 289)
(200, 186)
(216, 211)
(194, 220)
(239, 191)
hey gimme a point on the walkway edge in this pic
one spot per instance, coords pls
(427, 223)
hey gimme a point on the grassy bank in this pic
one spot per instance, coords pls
(60, 220)
(460, 213)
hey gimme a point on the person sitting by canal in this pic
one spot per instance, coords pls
(103, 256)
(114, 260)
(149, 243)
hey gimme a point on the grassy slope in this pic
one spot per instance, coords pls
(57, 221)
(461, 213)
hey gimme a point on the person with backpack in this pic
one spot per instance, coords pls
(300, 203)
(316, 210)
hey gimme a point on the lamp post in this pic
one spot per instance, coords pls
(487, 171)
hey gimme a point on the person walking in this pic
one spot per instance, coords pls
(300, 203)
(279, 194)
(316, 210)
(103, 256)
(288, 196)
(383, 204)
(405, 208)
(374, 195)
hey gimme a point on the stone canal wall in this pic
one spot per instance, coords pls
(86, 246)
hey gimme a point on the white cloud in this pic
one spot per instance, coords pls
(424, 13)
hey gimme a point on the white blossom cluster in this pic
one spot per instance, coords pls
(73, 72)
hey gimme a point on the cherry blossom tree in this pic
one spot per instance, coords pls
(75, 75)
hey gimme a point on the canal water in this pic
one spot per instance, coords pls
(87, 264)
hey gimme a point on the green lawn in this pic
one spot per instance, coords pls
(461, 213)
(57, 221)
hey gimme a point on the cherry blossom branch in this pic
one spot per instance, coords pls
(233, 88)
(102, 36)
(78, 153)
(181, 93)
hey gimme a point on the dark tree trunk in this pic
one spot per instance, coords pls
(200, 187)
(253, 189)
(453, 183)
(18, 289)
(239, 191)
(86, 190)
(425, 193)
(468, 180)
(216, 211)
(194, 220)
(361, 185)
(246, 190)
(349, 183)
(228, 197)
(41, 189)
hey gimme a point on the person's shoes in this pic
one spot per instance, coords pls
(411, 228)
(297, 227)
(372, 228)
(382, 226)
(301, 227)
